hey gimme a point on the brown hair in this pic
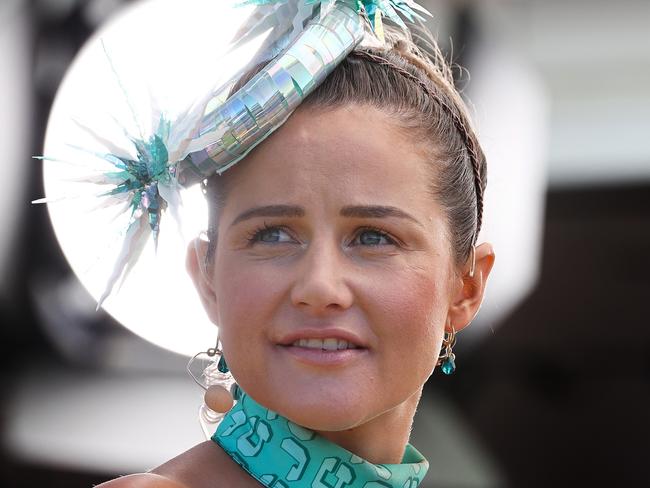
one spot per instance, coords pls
(417, 90)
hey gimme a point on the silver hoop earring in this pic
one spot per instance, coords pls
(210, 371)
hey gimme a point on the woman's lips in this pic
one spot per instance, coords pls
(321, 333)
(323, 357)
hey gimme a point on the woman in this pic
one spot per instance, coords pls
(342, 253)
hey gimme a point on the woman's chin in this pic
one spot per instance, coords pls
(323, 418)
(321, 410)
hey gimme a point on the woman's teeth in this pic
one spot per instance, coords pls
(324, 344)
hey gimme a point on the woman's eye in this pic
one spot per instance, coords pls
(372, 237)
(270, 235)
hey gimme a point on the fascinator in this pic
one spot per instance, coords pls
(148, 110)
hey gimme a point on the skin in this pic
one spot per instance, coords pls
(386, 279)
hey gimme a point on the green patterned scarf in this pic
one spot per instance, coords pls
(281, 454)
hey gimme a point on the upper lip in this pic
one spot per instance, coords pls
(321, 333)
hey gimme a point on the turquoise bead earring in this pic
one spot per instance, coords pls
(447, 358)
(222, 366)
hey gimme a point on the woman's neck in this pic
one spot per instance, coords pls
(383, 439)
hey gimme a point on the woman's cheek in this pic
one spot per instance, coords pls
(412, 312)
(410, 291)
(240, 296)
(243, 288)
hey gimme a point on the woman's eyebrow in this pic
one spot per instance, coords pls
(376, 212)
(353, 211)
(270, 211)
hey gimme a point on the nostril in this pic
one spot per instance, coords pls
(322, 297)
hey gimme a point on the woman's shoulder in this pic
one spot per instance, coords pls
(142, 480)
(204, 466)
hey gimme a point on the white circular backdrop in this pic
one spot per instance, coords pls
(155, 53)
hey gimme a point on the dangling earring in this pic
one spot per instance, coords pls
(219, 385)
(447, 358)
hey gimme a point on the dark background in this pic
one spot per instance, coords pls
(558, 395)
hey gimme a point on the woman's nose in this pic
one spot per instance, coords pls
(320, 286)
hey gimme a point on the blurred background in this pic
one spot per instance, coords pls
(553, 379)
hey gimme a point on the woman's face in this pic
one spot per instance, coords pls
(333, 271)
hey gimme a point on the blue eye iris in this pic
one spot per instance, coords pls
(374, 238)
(270, 235)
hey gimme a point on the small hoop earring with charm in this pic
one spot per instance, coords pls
(209, 370)
(447, 358)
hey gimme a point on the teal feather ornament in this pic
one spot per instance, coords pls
(142, 180)
(145, 186)
(142, 176)
(391, 9)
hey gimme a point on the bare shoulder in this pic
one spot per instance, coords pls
(204, 466)
(142, 480)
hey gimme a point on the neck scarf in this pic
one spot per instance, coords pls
(280, 454)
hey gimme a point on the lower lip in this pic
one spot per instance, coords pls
(320, 357)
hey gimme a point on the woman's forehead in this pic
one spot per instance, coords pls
(351, 153)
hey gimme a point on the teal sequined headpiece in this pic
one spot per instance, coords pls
(305, 40)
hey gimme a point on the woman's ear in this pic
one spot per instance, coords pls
(470, 287)
(198, 269)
